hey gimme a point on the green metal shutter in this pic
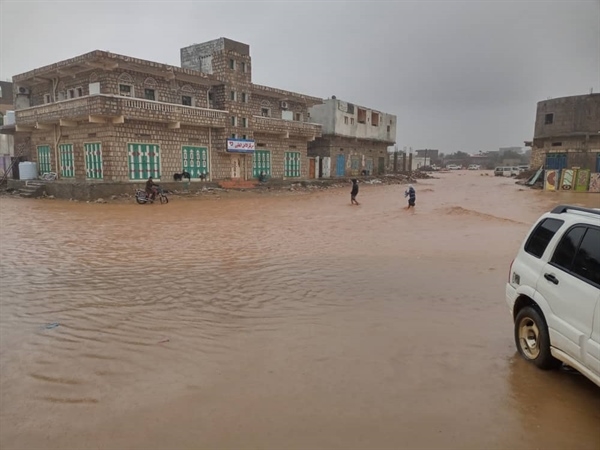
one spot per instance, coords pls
(93, 160)
(194, 160)
(144, 161)
(261, 162)
(44, 162)
(67, 164)
(292, 164)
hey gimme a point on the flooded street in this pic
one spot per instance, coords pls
(278, 322)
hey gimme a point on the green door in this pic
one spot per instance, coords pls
(292, 164)
(67, 164)
(93, 160)
(44, 162)
(144, 161)
(194, 160)
(381, 168)
(261, 163)
(354, 165)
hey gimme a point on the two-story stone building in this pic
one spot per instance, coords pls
(567, 133)
(354, 138)
(107, 117)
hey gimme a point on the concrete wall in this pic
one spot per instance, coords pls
(352, 149)
(325, 115)
(341, 118)
(577, 114)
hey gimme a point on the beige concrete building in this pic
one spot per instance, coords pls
(103, 117)
(354, 139)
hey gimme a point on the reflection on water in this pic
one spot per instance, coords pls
(292, 321)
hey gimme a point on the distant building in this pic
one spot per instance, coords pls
(355, 139)
(503, 150)
(567, 133)
(420, 161)
(432, 154)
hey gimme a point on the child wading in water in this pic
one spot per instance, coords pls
(354, 192)
(412, 196)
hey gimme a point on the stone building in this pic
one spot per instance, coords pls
(567, 133)
(103, 117)
(354, 139)
(6, 98)
(7, 143)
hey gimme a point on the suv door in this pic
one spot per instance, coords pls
(592, 353)
(569, 282)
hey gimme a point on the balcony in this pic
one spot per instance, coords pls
(286, 128)
(115, 109)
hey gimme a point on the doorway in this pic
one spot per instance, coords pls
(236, 166)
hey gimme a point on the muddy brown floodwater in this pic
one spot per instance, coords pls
(278, 322)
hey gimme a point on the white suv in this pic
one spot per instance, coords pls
(553, 291)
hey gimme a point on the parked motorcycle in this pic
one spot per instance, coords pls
(142, 197)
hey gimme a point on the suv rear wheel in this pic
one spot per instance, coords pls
(533, 340)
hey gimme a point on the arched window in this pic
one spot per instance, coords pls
(126, 85)
(125, 78)
(150, 83)
(187, 95)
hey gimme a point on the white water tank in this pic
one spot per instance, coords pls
(27, 170)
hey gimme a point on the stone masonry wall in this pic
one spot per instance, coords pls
(114, 140)
(580, 152)
(168, 91)
(278, 147)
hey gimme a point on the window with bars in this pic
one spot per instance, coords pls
(143, 161)
(194, 160)
(261, 163)
(292, 164)
(67, 164)
(93, 160)
(44, 160)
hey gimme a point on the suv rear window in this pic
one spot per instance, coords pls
(541, 236)
(587, 261)
(567, 247)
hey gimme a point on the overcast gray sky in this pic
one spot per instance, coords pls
(460, 75)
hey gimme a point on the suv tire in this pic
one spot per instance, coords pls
(532, 339)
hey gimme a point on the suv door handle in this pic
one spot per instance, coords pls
(551, 278)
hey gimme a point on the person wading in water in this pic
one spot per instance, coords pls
(354, 192)
(412, 197)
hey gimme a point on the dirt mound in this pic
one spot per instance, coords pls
(460, 211)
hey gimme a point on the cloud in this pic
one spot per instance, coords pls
(460, 75)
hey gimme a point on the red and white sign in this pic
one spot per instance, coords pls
(240, 145)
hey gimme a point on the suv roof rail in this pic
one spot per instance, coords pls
(561, 209)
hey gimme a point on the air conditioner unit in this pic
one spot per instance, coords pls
(284, 105)
(24, 91)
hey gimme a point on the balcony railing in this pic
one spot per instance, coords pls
(269, 125)
(100, 106)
